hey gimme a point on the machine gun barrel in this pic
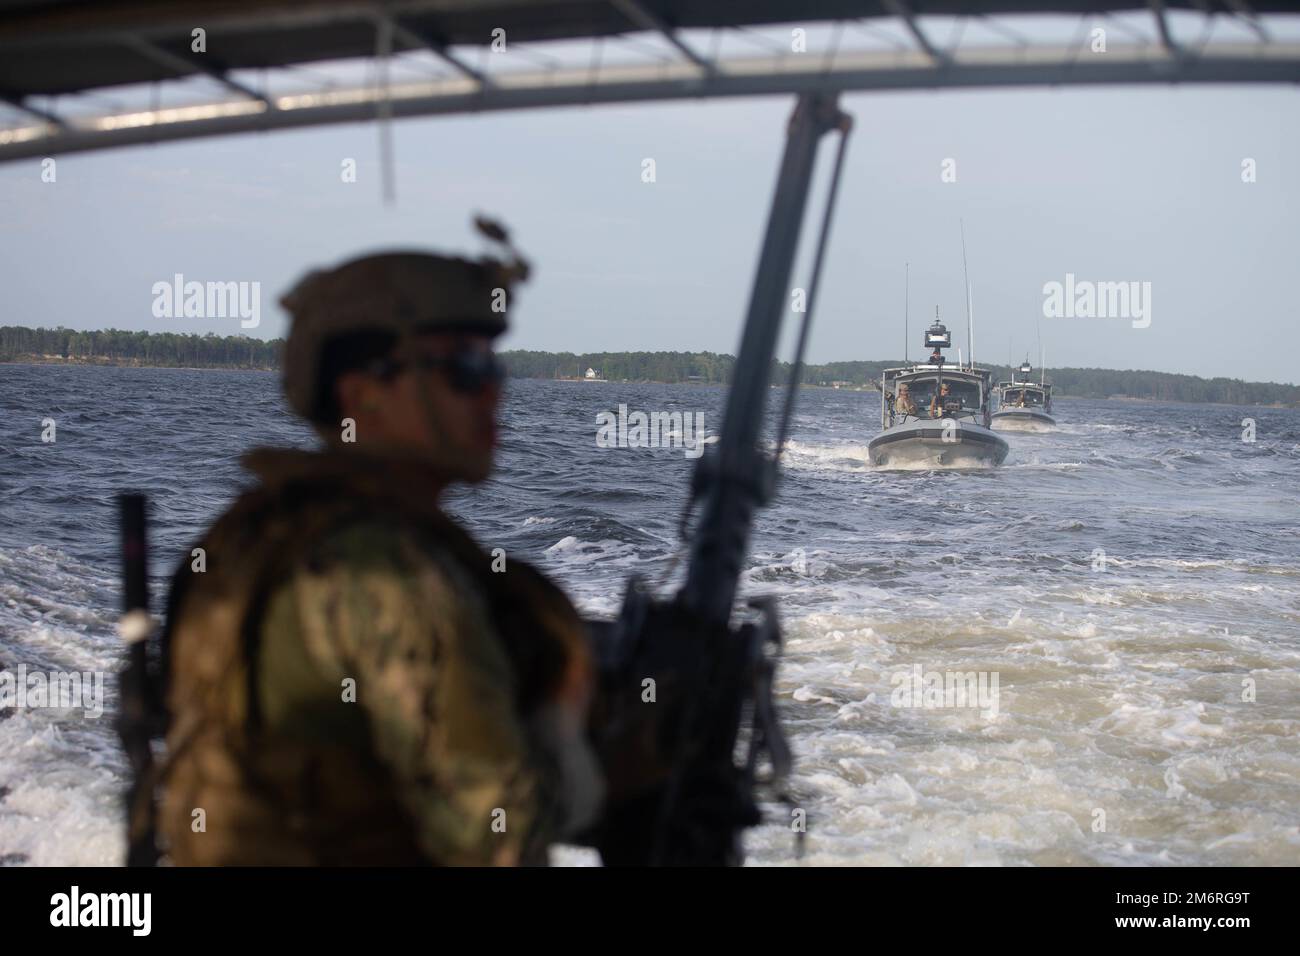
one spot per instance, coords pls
(715, 675)
(739, 478)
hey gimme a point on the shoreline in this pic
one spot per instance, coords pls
(33, 360)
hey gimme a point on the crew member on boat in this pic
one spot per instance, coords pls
(904, 404)
(937, 403)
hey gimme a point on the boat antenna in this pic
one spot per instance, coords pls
(970, 321)
(907, 289)
(1042, 356)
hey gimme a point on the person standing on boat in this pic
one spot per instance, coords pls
(904, 403)
(354, 680)
(937, 403)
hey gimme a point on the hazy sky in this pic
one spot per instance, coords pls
(1128, 184)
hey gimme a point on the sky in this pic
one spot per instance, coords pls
(1140, 185)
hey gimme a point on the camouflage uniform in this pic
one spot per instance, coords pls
(351, 683)
(338, 570)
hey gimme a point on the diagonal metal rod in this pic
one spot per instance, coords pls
(901, 10)
(190, 66)
(1241, 10)
(20, 103)
(991, 24)
(1162, 24)
(419, 38)
(647, 20)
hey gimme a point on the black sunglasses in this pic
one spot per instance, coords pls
(467, 371)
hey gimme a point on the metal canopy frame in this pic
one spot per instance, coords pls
(59, 59)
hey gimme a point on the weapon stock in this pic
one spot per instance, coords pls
(678, 679)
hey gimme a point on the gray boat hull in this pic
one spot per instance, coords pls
(1023, 420)
(929, 445)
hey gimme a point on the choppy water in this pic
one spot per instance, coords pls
(1120, 690)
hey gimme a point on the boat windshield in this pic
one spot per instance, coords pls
(1022, 398)
(918, 398)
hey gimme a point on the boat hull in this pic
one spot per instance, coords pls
(1023, 420)
(928, 445)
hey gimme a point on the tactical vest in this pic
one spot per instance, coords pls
(269, 800)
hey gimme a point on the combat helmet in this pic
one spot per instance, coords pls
(401, 293)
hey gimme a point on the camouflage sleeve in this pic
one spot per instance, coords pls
(438, 690)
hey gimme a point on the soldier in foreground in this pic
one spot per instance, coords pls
(350, 680)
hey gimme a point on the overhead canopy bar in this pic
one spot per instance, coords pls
(196, 68)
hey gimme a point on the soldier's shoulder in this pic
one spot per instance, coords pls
(377, 540)
(325, 543)
(329, 525)
(389, 561)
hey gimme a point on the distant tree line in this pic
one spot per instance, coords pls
(171, 349)
(710, 367)
(1166, 386)
(1090, 383)
(117, 347)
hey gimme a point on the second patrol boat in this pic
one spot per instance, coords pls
(1023, 404)
(936, 415)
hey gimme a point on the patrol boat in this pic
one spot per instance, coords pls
(936, 415)
(1023, 404)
